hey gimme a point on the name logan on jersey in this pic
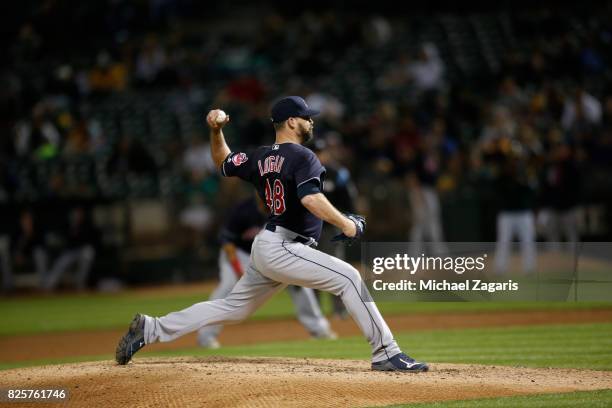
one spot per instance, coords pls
(272, 164)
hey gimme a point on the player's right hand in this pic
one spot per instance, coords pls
(211, 120)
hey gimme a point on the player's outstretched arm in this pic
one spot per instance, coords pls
(320, 206)
(218, 148)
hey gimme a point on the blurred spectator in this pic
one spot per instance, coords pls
(396, 75)
(501, 126)
(130, 156)
(515, 217)
(330, 107)
(378, 31)
(424, 201)
(28, 44)
(77, 138)
(246, 89)
(5, 263)
(607, 114)
(80, 240)
(427, 72)
(6, 270)
(257, 125)
(28, 244)
(64, 83)
(107, 75)
(197, 216)
(561, 193)
(408, 136)
(38, 138)
(511, 96)
(151, 61)
(197, 158)
(581, 110)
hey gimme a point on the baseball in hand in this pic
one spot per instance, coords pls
(221, 116)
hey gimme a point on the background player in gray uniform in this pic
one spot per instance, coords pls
(245, 221)
(340, 190)
(289, 177)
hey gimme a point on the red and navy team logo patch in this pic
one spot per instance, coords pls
(239, 158)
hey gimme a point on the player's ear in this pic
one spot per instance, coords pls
(292, 123)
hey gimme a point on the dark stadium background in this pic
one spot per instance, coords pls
(74, 68)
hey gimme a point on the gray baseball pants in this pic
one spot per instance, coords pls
(305, 302)
(276, 261)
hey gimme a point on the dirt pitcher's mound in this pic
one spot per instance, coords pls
(282, 382)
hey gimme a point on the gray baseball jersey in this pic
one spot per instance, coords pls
(282, 254)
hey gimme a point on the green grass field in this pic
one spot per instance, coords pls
(587, 346)
(104, 311)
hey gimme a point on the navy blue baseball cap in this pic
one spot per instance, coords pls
(291, 107)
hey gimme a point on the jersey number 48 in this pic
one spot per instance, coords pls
(275, 197)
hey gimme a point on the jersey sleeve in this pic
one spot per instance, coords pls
(237, 164)
(309, 169)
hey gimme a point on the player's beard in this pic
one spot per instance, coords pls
(306, 133)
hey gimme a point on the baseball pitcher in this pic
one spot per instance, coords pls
(289, 178)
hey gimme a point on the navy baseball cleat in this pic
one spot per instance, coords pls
(132, 341)
(400, 362)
